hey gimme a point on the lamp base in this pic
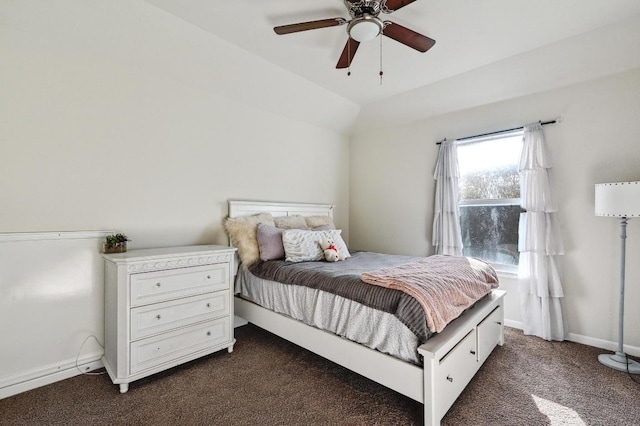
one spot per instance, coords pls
(620, 362)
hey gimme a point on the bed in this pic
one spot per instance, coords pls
(449, 359)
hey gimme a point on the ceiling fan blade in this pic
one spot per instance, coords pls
(311, 25)
(348, 53)
(397, 4)
(408, 37)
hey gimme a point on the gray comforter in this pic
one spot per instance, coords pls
(343, 279)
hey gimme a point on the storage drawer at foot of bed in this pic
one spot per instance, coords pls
(157, 350)
(456, 370)
(489, 332)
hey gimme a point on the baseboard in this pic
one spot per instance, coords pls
(586, 340)
(603, 344)
(35, 379)
(513, 324)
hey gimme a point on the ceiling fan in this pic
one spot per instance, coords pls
(365, 25)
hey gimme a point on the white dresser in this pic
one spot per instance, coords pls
(164, 307)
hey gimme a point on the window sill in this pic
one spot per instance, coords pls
(506, 272)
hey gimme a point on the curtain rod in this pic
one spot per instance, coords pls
(497, 132)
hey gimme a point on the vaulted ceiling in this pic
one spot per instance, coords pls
(486, 51)
(469, 35)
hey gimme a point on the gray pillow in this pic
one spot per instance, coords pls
(290, 222)
(270, 242)
(314, 221)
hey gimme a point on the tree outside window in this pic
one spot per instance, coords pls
(490, 197)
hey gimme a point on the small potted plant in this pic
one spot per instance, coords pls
(116, 243)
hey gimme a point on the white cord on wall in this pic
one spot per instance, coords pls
(80, 351)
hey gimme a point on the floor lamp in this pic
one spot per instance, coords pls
(620, 199)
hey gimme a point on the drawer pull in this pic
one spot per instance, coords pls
(208, 305)
(208, 277)
(498, 322)
(158, 316)
(472, 352)
(449, 378)
(158, 285)
(208, 333)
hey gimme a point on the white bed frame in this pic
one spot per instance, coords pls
(451, 358)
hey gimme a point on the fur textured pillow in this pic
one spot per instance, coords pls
(290, 222)
(242, 233)
(315, 221)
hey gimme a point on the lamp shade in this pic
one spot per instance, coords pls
(620, 199)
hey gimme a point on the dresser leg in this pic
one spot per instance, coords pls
(230, 349)
(124, 387)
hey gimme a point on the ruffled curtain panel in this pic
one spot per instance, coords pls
(447, 237)
(539, 242)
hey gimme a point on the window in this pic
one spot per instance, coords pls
(490, 197)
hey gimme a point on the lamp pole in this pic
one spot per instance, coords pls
(619, 360)
(623, 251)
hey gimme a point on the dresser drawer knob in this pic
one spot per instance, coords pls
(498, 322)
(472, 352)
(208, 333)
(449, 378)
(208, 305)
(208, 277)
(158, 285)
(158, 316)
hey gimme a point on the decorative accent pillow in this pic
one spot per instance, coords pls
(242, 233)
(270, 242)
(290, 222)
(315, 221)
(338, 241)
(302, 245)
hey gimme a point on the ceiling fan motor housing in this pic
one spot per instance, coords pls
(362, 7)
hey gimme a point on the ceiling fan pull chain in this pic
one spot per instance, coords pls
(381, 60)
(349, 56)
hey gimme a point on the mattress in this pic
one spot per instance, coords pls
(385, 328)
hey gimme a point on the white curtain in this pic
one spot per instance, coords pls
(447, 237)
(539, 242)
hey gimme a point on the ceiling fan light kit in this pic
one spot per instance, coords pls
(365, 25)
(365, 28)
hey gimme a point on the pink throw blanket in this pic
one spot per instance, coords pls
(443, 285)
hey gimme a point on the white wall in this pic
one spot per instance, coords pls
(51, 307)
(115, 115)
(392, 191)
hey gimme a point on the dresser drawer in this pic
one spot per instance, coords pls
(489, 332)
(160, 317)
(152, 287)
(154, 351)
(455, 371)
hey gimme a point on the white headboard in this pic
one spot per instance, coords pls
(246, 208)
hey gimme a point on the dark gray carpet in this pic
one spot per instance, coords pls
(268, 381)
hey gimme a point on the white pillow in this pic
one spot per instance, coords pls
(302, 245)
